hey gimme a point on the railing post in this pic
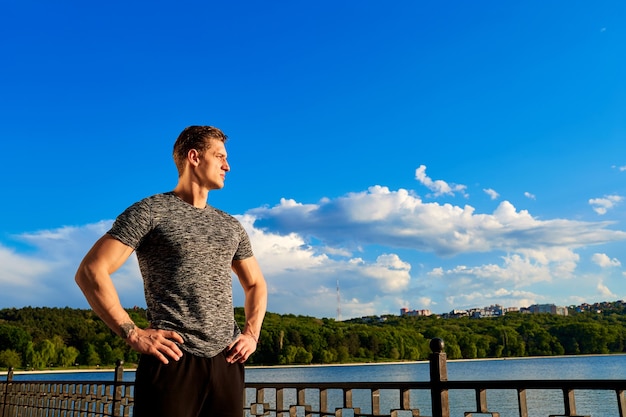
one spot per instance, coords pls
(117, 389)
(438, 373)
(6, 408)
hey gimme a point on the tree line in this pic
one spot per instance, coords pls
(44, 337)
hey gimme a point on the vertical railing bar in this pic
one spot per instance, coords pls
(570, 401)
(260, 395)
(301, 396)
(481, 400)
(438, 374)
(405, 399)
(6, 409)
(280, 402)
(522, 403)
(323, 401)
(621, 403)
(347, 397)
(375, 397)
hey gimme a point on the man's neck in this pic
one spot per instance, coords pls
(192, 195)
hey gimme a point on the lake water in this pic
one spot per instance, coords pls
(541, 402)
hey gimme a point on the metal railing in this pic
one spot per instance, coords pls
(309, 399)
(66, 398)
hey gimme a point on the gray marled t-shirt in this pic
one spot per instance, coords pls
(185, 256)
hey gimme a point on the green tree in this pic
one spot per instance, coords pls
(13, 337)
(90, 356)
(47, 352)
(33, 357)
(10, 359)
(66, 356)
(302, 356)
(343, 354)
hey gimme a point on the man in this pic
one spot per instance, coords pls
(192, 354)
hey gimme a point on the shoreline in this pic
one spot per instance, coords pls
(321, 365)
(425, 361)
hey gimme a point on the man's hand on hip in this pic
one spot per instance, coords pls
(159, 343)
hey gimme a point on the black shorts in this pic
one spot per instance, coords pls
(190, 387)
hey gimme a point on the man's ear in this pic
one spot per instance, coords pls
(193, 156)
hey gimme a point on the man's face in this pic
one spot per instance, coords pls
(213, 166)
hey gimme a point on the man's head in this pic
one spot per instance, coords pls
(195, 137)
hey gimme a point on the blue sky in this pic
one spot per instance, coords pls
(427, 155)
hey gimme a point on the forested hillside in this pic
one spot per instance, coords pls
(38, 338)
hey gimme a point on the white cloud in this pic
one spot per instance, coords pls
(307, 275)
(44, 275)
(504, 297)
(21, 271)
(281, 252)
(438, 187)
(531, 251)
(471, 286)
(391, 273)
(602, 205)
(604, 261)
(399, 219)
(491, 193)
(529, 195)
(604, 291)
(410, 253)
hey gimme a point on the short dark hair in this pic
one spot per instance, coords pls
(194, 137)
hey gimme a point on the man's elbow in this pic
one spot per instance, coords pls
(84, 276)
(260, 286)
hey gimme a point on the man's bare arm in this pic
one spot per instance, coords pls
(255, 306)
(94, 279)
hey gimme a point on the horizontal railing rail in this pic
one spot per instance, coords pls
(437, 397)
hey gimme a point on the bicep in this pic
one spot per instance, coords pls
(248, 271)
(106, 255)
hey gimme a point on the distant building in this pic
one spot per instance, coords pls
(491, 311)
(406, 312)
(495, 310)
(455, 314)
(548, 308)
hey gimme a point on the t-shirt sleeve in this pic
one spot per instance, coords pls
(132, 225)
(244, 250)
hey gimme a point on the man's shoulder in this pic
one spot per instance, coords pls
(156, 199)
(224, 215)
(150, 204)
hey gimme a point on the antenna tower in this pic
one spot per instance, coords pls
(338, 302)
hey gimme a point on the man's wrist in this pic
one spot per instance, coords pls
(256, 339)
(127, 330)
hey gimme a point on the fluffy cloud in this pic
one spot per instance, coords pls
(504, 297)
(532, 251)
(364, 253)
(43, 275)
(604, 261)
(399, 219)
(604, 204)
(491, 193)
(605, 292)
(438, 187)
